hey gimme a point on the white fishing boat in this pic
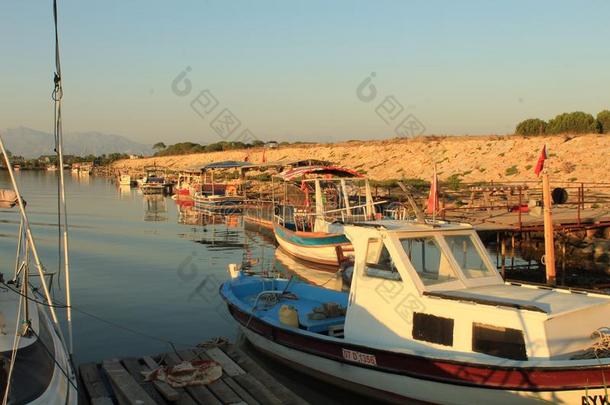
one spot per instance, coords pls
(429, 318)
(125, 180)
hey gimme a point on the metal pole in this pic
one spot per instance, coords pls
(62, 196)
(18, 247)
(28, 232)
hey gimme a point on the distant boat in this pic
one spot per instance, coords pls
(153, 182)
(125, 180)
(51, 168)
(16, 167)
(224, 195)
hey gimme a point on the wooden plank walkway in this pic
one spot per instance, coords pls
(120, 381)
(501, 220)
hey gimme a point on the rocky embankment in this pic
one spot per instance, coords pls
(581, 158)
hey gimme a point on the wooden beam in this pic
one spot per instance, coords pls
(92, 381)
(128, 391)
(228, 365)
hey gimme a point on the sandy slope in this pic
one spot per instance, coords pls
(477, 158)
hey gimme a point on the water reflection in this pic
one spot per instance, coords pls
(323, 276)
(124, 191)
(155, 208)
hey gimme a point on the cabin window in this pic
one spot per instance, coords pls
(428, 259)
(467, 255)
(379, 262)
(497, 341)
(433, 329)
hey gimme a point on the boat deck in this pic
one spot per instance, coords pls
(120, 381)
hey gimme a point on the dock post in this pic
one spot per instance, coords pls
(549, 244)
(503, 257)
(512, 251)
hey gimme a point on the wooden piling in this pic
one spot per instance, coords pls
(549, 244)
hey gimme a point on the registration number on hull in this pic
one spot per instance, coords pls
(359, 357)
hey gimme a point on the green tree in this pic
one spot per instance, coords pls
(603, 119)
(531, 126)
(576, 122)
(159, 146)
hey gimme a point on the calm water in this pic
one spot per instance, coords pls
(136, 261)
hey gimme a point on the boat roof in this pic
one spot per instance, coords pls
(546, 300)
(290, 162)
(413, 226)
(226, 164)
(335, 171)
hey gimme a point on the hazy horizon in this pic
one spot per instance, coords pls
(291, 71)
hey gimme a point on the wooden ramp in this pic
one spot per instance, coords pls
(120, 381)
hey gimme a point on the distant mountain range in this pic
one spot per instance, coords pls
(31, 143)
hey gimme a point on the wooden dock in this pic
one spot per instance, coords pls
(120, 381)
(504, 221)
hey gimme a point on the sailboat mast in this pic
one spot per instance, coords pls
(57, 97)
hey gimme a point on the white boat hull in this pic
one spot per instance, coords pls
(398, 388)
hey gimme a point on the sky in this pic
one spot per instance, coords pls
(294, 70)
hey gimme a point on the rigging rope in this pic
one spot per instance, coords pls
(60, 305)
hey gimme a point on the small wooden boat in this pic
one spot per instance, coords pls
(224, 195)
(429, 318)
(152, 183)
(315, 247)
(316, 234)
(214, 202)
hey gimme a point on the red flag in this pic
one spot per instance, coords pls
(433, 195)
(541, 159)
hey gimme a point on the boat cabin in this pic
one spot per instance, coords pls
(314, 197)
(432, 287)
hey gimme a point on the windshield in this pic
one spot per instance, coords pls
(428, 259)
(467, 256)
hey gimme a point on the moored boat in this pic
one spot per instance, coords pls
(314, 231)
(316, 247)
(429, 318)
(125, 180)
(36, 366)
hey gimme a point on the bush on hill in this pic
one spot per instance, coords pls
(575, 123)
(603, 118)
(532, 126)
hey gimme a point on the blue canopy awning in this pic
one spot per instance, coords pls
(227, 164)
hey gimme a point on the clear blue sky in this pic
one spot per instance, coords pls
(289, 69)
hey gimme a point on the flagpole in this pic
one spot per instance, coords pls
(549, 242)
(435, 185)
